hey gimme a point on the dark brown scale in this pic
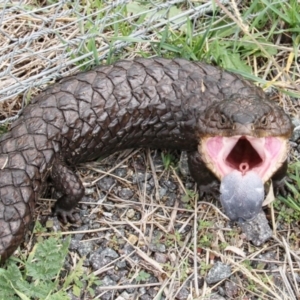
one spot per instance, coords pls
(157, 103)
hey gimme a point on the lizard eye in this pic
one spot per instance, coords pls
(223, 120)
(264, 121)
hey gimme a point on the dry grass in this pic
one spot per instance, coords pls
(196, 234)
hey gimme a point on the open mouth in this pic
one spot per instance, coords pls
(244, 153)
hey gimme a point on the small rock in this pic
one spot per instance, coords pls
(106, 281)
(79, 236)
(74, 244)
(89, 191)
(160, 258)
(85, 248)
(140, 177)
(130, 213)
(296, 133)
(121, 264)
(133, 239)
(116, 274)
(96, 261)
(162, 192)
(183, 164)
(183, 294)
(157, 247)
(121, 172)
(142, 290)
(149, 187)
(130, 290)
(108, 252)
(108, 205)
(146, 297)
(152, 292)
(170, 185)
(171, 199)
(218, 272)
(99, 260)
(231, 289)
(106, 183)
(124, 296)
(125, 193)
(107, 295)
(257, 230)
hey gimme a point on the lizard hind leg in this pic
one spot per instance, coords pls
(68, 183)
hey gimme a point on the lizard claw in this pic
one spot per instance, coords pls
(280, 187)
(65, 215)
(212, 189)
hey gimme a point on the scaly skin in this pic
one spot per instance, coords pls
(155, 103)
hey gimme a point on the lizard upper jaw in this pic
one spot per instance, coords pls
(244, 153)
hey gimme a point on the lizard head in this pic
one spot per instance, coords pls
(245, 134)
(245, 142)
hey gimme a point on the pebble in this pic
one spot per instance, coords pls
(183, 164)
(130, 213)
(257, 230)
(124, 296)
(121, 172)
(125, 193)
(157, 247)
(106, 183)
(183, 294)
(116, 274)
(231, 289)
(79, 236)
(89, 191)
(140, 177)
(218, 272)
(169, 185)
(108, 252)
(85, 248)
(146, 297)
(106, 281)
(160, 258)
(296, 133)
(162, 192)
(101, 259)
(121, 264)
(108, 205)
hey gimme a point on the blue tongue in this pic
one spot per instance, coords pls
(242, 195)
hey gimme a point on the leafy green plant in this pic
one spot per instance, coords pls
(174, 238)
(142, 276)
(168, 160)
(42, 267)
(3, 128)
(190, 194)
(247, 264)
(204, 267)
(293, 198)
(38, 276)
(204, 224)
(205, 240)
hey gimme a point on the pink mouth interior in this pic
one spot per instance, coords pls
(244, 153)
